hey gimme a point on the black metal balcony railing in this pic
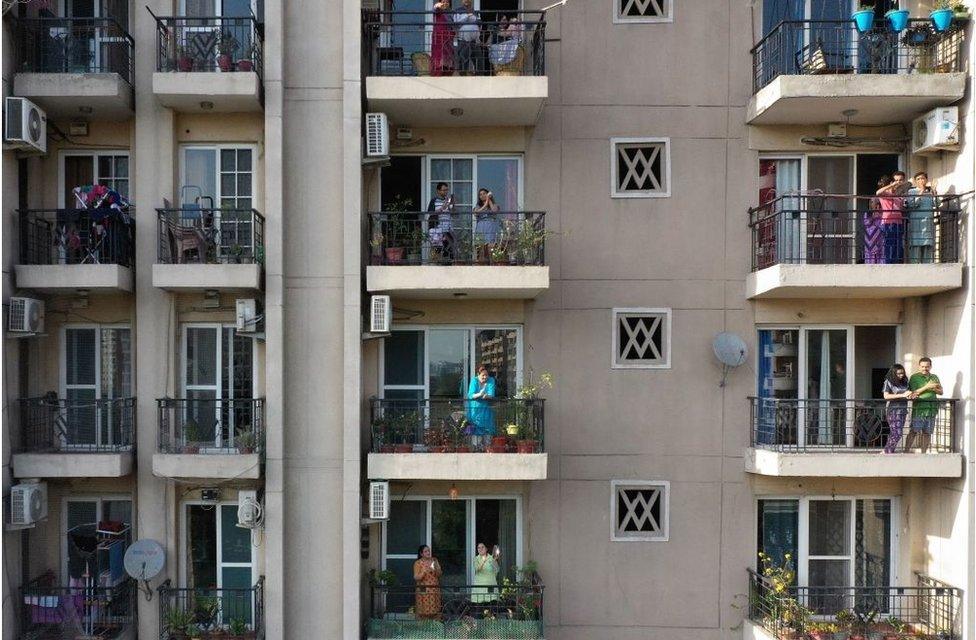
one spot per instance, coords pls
(211, 43)
(211, 612)
(209, 426)
(930, 609)
(50, 424)
(513, 611)
(422, 238)
(426, 43)
(844, 229)
(805, 47)
(74, 45)
(813, 426)
(210, 236)
(52, 611)
(76, 236)
(443, 425)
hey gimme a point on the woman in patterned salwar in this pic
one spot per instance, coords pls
(427, 574)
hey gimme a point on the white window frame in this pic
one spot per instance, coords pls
(664, 193)
(425, 328)
(95, 155)
(803, 531)
(218, 8)
(427, 194)
(217, 387)
(664, 534)
(615, 337)
(802, 365)
(185, 520)
(217, 148)
(618, 18)
(97, 385)
(469, 532)
(99, 511)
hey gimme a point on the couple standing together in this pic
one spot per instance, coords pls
(917, 396)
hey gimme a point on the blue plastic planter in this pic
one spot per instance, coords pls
(898, 19)
(864, 19)
(941, 19)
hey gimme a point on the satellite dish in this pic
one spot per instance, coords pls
(731, 351)
(144, 561)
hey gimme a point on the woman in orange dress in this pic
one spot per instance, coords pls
(427, 574)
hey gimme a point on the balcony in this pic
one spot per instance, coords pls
(208, 438)
(493, 74)
(74, 438)
(209, 64)
(929, 609)
(811, 71)
(50, 611)
(75, 67)
(513, 611)
(66, 250)
(448, 255)
(455, 439)
(199, 249)
(832, 246)
(224, 614)
(851, 438)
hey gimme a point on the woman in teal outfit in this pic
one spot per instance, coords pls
(480, 412)
(485, 575)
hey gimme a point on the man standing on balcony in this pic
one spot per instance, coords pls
(926, 388)
(469, 50)
(920, 205)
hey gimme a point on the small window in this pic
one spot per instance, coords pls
(641, 339)
(639, 510)
(640, 168)
(642, 11)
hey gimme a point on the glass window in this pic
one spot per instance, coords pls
(403, 358)
(449, 353)
(778, 526)
(449, 539)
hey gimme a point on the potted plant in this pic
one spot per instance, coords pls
(942, 15)
(206, 609)
(402, 428)
(382, 578)
(528, 241)
(460, 430)
(860, 623)
(498, 254)
(896, 629)
(959, 10)
(177, 622)
(436, 439)
(415, 243)
(194, 632)
(864, 18)
(822, 630)
(246, 62)
(246, 442)
(226, 45)
(512, 430)
(382, 435)
(191, 437)
(526, 397)
(898, 19)
(184, 61)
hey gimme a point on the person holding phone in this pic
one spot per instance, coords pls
(441, 230)
(427, 574)
(486, 569)
(892, 218)
(920, 205)
(486, 229)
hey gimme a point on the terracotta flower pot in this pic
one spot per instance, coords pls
(497, 449)
(184, 63)
(403, 448)
(438, 449)
(191, 448)
(526, 446)
(225, 62)
(386, 448)
(245, 65)
(394, 255)
(499, 441)
(463, 449)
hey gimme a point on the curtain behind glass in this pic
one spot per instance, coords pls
(449, 540)
(779, 530)
(872, 550)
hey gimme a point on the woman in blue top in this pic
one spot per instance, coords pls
(480, 412)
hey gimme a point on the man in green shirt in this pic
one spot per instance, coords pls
(925, 388)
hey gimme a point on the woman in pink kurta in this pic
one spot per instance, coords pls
(442, 41)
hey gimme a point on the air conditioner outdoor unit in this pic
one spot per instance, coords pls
(937, 130)
(377, 135)
(379, 500)
(26, 315)
(28, 503)
(24, 125)
(246, 315)
(380, 314)
(249, 510)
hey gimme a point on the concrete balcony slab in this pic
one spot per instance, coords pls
(198, 277)
(512, 282)
(187, 92)
(65, 278)
(245, 466)
(853, 280)
(63, 95)
(842, 464)
(457, 466)
(65, 464)
(878, 98)
(483, 100)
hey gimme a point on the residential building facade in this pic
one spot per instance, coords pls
(295, 291)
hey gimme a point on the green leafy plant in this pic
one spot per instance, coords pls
(177, 621)
(245, 441)
(783, 607)
(238, 626)
(205, 611)
(382, 578)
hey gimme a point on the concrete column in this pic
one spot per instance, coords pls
(153, 159)
(913, 331)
